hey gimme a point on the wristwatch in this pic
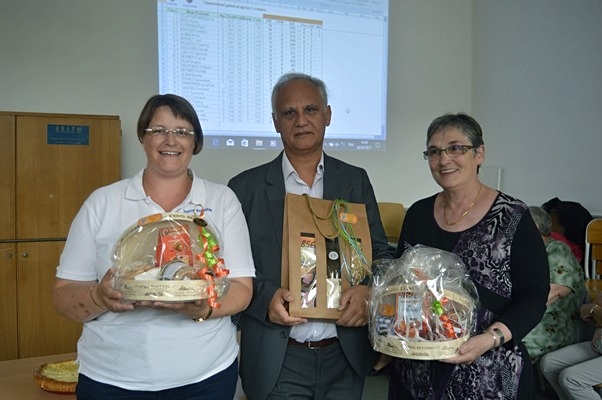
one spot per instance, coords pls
(497, 334)
(500, 335)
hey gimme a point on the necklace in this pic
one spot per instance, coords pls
(464, 212)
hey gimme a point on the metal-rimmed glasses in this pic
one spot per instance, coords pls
(452, 151)
(160, 131)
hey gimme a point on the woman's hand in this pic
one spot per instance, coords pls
(105, 296)
(472, 349)
(479, 344)
(591, 312)
(557, 292)
(85, 300)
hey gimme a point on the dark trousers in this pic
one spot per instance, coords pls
(317, 374)
(220, 386)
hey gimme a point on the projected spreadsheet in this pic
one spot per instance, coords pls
(219, 48)
(226, 58)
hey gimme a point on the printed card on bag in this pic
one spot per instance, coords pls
(325, 250)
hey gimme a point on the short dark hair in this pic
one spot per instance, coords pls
(180, 107)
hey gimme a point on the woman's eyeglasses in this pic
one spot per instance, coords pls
(160, 131)
(452, 151)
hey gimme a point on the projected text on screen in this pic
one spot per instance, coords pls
(225, 56)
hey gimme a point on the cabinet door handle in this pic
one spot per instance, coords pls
(25, 254)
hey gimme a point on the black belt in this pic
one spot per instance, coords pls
(314, 345)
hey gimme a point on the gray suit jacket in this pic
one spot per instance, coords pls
(261, 192)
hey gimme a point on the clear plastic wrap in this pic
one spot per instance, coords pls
(170, 257)
(423, 305)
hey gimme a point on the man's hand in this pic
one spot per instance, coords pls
(277, 312)
(354, 304)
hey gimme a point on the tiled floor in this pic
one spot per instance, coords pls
(376, 387)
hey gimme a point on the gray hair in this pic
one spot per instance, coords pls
(542, 219)
(467, 125)
(286, 78)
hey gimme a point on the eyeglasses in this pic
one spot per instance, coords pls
(452, 151)
(160, 131)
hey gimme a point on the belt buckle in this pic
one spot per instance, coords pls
(309, 346)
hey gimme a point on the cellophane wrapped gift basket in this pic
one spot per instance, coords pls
(170, 257)
(423, 305)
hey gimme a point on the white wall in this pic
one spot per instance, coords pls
(537, 90)
(528, 72)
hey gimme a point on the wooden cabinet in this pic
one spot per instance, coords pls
(8, 271)
(50, 164)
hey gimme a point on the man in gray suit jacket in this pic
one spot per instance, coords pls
(291, 357)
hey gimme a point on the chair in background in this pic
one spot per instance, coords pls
(392, 215)
(592, 261)
(593, 248)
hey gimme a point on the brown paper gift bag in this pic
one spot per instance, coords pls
(326, 248)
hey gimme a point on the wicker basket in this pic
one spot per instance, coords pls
(396, 336)
(169, 257)
(191, 290)
(423, 305)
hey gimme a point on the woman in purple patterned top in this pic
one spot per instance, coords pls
(498, 241)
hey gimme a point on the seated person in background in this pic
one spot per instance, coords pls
(569, 222)
(573, 371)
(557, 327)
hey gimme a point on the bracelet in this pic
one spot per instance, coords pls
(201, 319)
(591, 310)
(494, 338)
(96, 303)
